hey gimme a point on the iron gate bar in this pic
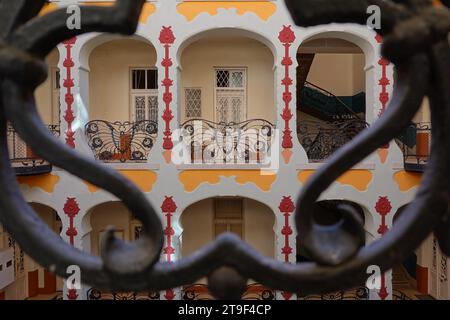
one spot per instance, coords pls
(228, 262)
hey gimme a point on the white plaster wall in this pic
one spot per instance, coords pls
(341, 74)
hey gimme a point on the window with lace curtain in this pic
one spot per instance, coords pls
(193, 102)
(230, 94)
(144, 94)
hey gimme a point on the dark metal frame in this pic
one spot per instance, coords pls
(415, 39)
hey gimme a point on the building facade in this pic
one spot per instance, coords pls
(220, 111)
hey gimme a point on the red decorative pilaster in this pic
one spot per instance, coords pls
(286, 207)
(383, 208)
(287, 37)
(167, 39)
(69, 99)
(168, 208)
(384, 80)
(71, 209)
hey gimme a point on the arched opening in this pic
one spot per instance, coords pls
(325, 213)
(404, 275)
(126, 227)
(123, 100)
(205, 220)
(331, 94)
(24, 160)
(227, 86)
(99, 218)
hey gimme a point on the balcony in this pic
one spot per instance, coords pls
(120, 142)
(415, 143)
(321, 139)
(247, 142)
(23, 158)
(253, 292)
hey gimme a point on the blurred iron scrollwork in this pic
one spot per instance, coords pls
(415, 39)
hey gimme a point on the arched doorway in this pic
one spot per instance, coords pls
(100, 217)
(331, 94)
(207, 219)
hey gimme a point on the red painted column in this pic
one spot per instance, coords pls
(287, 37)
(167, 39)
(71, 209)
(69, 99)
(168, 208)
(286, 207)
(383, 208)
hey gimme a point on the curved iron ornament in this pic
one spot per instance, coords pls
(415, 39)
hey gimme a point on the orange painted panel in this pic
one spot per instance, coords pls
(422, 279)
(33, 283)
(423, 143)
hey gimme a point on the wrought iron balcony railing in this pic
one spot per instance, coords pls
(121, 141)
(96, 294)
(321, 139)
(23, 158)
(253, 291)
(360, 293)
(208, 142)
(415, 143)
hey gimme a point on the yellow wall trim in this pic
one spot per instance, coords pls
(147, 10)
(48, 8)
(192, 179)
(358, 179)
(407, 180)
(45, 182)
(190, 10)
(144, 179)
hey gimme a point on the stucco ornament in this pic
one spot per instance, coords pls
(415, 39)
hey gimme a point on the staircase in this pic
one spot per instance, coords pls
(316, 101)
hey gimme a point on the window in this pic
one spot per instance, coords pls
(56, 79)
(228, 216)
(143, 79)
(144, 94)
(193, 102)
(9, 264)
(230, 94)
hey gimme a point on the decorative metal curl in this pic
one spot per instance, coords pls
(415, 39)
